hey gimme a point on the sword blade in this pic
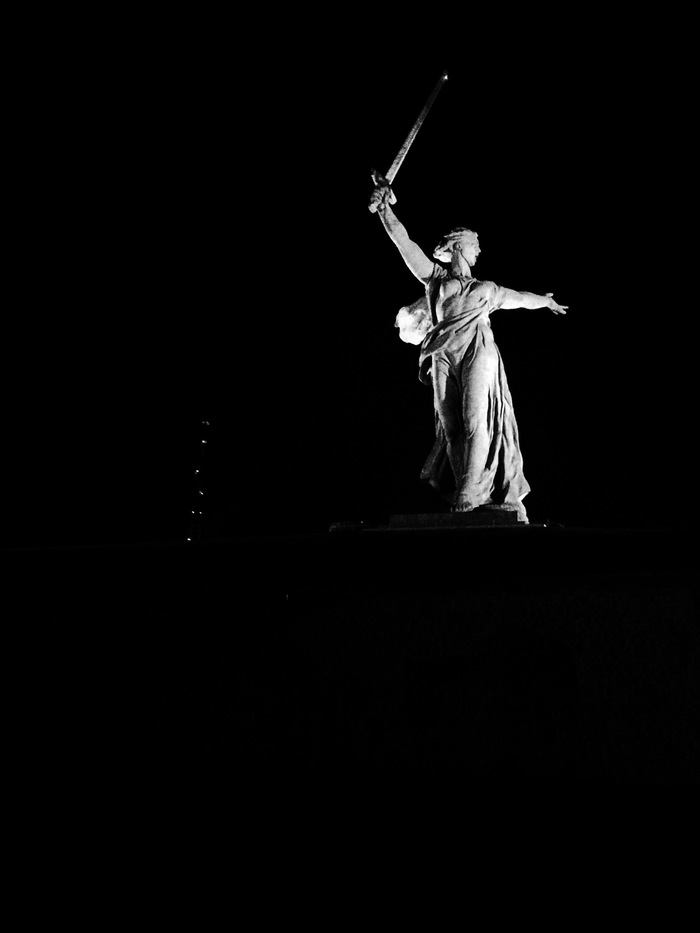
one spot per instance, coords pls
(401, 154)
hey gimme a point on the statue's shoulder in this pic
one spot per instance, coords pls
(439, 272)
(485, 286)
(432, 283)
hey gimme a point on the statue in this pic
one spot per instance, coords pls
(476, 459)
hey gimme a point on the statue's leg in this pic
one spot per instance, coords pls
(448, 405)
(479, 377)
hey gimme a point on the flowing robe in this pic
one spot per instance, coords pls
(476, 458)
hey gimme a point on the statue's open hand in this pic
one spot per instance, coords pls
(557, 308)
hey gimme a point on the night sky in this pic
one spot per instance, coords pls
(201, 249)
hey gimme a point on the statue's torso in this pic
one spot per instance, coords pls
(459, 295)
(460, 308)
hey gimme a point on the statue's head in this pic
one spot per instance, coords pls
(462, 239)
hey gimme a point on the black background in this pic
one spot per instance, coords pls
(196, 246)
(193, 245)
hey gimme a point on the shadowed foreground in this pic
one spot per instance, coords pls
(535, 655)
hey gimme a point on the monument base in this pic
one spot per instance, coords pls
(487, 516)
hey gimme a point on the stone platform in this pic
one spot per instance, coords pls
(485, 517)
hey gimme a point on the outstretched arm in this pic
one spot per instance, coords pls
(414, 257)
(512, 299)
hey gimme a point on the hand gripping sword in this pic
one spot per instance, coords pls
(387, 179)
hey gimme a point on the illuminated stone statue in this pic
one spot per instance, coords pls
(476, 459)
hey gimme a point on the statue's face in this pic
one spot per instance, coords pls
(443, 251)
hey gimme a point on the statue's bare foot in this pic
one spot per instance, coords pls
(462, 506)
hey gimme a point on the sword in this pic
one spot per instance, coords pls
(387, 179)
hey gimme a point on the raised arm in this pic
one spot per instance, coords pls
(414, 257)
(509, 298)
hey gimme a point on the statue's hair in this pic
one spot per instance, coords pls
(468, 235)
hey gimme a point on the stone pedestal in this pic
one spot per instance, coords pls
(485, 517)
